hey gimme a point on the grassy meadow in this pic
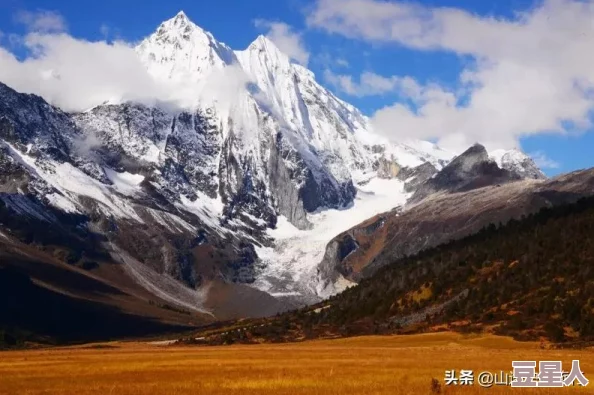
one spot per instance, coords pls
(365, 365)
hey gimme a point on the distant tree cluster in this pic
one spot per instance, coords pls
(530, 278)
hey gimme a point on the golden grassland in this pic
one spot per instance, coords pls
(365, 365)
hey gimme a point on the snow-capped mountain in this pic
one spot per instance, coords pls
(280, 131)
(333, 139)
(329, 142)
(245, 181)
(518, 162)
(181, 50)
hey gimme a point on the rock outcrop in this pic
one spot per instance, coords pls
(414, 177)
(387, 168)
(443, 217)
(470, 170)
(188, 192)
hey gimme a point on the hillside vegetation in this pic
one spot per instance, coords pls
(531, 278)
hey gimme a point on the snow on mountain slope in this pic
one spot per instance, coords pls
(263, 146)
(88, 178)
(289, 147)
(71, 183)
(518, 162)
(259, 159)
(181, 51)
(182, 149)
(71, 190)
(125, 183)
(291, 92)
(290, 267)
(277, 107)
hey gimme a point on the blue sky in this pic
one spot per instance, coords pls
(342, 46)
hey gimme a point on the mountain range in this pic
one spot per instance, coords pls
(529, 279)
(225, 204)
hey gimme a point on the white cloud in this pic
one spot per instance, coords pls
(78, 74)
(41, 21)
(104, 30)
(531, 74)
(14, 40)
(287, 40)
(342, 82)
(327, 60)
(342, 62)
(224, 86)
(371, 84)
(543, 161)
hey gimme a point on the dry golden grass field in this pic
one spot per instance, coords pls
(366, 365)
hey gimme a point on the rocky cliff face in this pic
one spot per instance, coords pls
(177, 151)
(470, 170)
(387, 168)
(414, 177)
(59, 185)
(517, 162)
(287, 145)
(443, 217)
(193, 192)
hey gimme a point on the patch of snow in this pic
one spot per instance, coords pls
(152, 154)
(256, 220)
(430, 149)
(125, 183)
(510, 157)
(207, 209)
(70, 179)
(518, 162)
(72, 183)
(290, 267)
(62, 203)
(497, 156)
(284, 229)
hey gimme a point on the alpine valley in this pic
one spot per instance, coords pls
(265, 193)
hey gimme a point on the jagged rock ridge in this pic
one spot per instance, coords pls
(191, 193)
(470, 170)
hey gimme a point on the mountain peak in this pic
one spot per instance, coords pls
(470, 158)
(264, 44)
(261, 39)
(181, 19)
(180, 49)
(180, 23)
(476, 148)
(517, 161)
(470, 170)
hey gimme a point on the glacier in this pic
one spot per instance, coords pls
(257, 158)
(322, 136)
